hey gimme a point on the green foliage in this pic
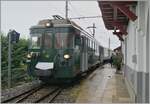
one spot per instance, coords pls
(19, 52)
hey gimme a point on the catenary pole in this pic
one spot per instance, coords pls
(93, 27)
(9, 59)
(66, 9)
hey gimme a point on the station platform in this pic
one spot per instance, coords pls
(104, 85)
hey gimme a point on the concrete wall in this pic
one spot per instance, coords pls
(136, 49)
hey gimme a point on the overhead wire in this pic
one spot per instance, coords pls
(74, 8)
(82, 16)
(76, 11)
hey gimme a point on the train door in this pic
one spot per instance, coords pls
(84, 54)
(82, 58)
(77, 53)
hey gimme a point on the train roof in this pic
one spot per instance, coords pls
(61, 22)
(56, 23)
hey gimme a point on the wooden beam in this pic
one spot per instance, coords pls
(118, 33)
(119, 2)
(126, 11)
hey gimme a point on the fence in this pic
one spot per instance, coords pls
(18, 77)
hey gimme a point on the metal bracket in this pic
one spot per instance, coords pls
(120, 26)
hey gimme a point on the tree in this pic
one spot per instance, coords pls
(19, 52)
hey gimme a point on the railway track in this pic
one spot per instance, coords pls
(51, 95)
(36, 95)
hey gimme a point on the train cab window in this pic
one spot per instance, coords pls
(63, 40)
(47, 40)
(39, 40)
(36, 41)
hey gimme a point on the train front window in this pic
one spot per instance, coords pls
(63, 40)
(36, 41)
(47, 40)
(41, 40)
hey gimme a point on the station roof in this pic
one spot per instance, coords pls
(116, 15)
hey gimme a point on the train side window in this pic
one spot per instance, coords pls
(82, 43)
(77, 40)
(95, 47)
(92, 45)
(87, 42)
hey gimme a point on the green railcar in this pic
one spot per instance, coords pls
(60, 50)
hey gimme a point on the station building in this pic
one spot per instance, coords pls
(130, 21)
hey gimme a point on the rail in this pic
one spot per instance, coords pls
(35, 92)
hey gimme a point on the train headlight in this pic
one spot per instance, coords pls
(66, 56)
(28, 56)
(48, 24)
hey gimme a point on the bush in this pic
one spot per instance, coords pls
(19, 52)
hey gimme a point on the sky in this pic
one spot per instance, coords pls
(21, 15)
